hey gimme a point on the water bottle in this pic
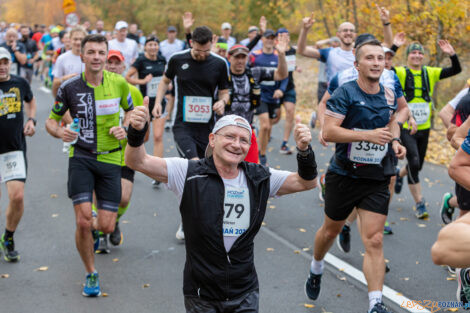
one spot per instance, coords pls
(75, 126)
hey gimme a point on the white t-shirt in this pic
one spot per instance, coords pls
(258, 46)
(237, 199)
(337, 60)
(167, 49)
(458, 97)
(68, 63)
(56, 43)
(128, 48)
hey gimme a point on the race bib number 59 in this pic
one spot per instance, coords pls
(366, 152)
(197, 109)
(12, 166)
(236, 211)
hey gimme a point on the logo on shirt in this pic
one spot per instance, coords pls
(273, 63)
(148, 67)
(185, 66)
(362, 103)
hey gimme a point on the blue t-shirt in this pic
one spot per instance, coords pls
(360, 111)
(336, 60)
(388, 78)
(268, 61)
(466, 143)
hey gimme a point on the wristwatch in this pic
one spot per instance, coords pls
(305, 152)
(126, 128)
(32, 119)
(397, 139)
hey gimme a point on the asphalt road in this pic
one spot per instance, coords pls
(145, 273)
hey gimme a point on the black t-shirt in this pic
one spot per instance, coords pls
(462, 110)
(146, 66)
(31, 49)
(12, 95)
(21, 48)
(133, 37)
(290, 58)
(196, 79)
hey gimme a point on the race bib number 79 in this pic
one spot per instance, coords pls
(197, 109)
(12, 166)
(236, 211)
(366, 152)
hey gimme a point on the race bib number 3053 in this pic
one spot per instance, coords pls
(366, 152)
(197, 109)
(12, 166)
(236, 211)
(420, 111)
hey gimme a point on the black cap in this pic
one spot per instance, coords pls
(362, 38)
(269, 33)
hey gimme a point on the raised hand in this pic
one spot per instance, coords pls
(140, 115)
(399, 39)
(262, 24)
(302, 134)
(384, 14)
(307, 22)
(188, 20)
(446, 47)
(282, 43)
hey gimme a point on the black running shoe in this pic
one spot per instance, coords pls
(344, 239)
(380, 308)
(312, 286)
(116, 237)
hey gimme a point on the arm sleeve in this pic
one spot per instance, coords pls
(394, 48)
(453, 70)
(253, 43)
(283, 84)
(60, 104)
(276, 180)
(188, 38)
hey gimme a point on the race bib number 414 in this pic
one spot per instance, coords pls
(236, 211)
(12, 166)
(366, 152)
(197, 109)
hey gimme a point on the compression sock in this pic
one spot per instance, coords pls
(8, 234)
(374, 297)
(121, 212)
(316, 267)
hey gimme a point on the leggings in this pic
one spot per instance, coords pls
(416, 146)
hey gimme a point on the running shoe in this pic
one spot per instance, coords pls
(380, 308)
(463, 287)
(103, 246)
(312, 286)
(155, 183)
(387, 268)
(446, 210)
(421, 211)
(92, 286)
(387, 229)
(180, 232)
(285, 150)
(344, 239)
(116, 236)
(8, 248)
(398, 182)
(263, 160)
(321, 183)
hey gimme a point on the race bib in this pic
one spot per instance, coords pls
(236, 211)
(197, 109)
(14, 68)
(290, 59)
(12, 166)
(152, 86)
(366, 152)
(420, 111)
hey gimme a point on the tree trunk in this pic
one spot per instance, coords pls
(325, 22)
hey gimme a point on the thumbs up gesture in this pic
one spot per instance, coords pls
(140, 115)
(302, 134)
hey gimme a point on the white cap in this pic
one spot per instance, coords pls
(226, 26)
(228, 120)
(121, 25)
(388, 50)
(4, 54)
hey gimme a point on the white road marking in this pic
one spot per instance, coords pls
(44, 89)
(389, 293)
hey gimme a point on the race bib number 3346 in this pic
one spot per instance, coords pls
(366, 152)
(236, 211)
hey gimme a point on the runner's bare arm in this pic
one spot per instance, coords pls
(452, 247)
(54, 129)
(460, 134)
(219, 106)
(132, 79)
(30, 108)
(446, 114)
(161, 91)
(302, 47)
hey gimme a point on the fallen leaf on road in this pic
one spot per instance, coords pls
(104, 294)
(305, 249)
(362, 253)
(53, 196)
(387, 261)
(115, 260)
(302, 230)
(338, 295)
(421, 225)
(450, 278)
(297, 251)
(55, 215)
(426, 179)
(452, 309)
(42, 268)
(270, 249)
(309, 306)
(263, 224)
(341, 278)
(146, 286)
(278, 166)
(272, 206)
(270, 149)
(5, 275)
(417, 262)
(405, 278)
(399, 294)
(125, 222)
(404, 219)
(321, 170)
(154, 214)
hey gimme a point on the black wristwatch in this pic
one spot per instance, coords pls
(397, 139)
(32, 119)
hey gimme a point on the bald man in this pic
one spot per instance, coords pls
(16, 49)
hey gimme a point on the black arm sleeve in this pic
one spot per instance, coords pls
(453, 70)
(253, 43)
(188, 38)
(394, 48)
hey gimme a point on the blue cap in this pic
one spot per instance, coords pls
(282, 30)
